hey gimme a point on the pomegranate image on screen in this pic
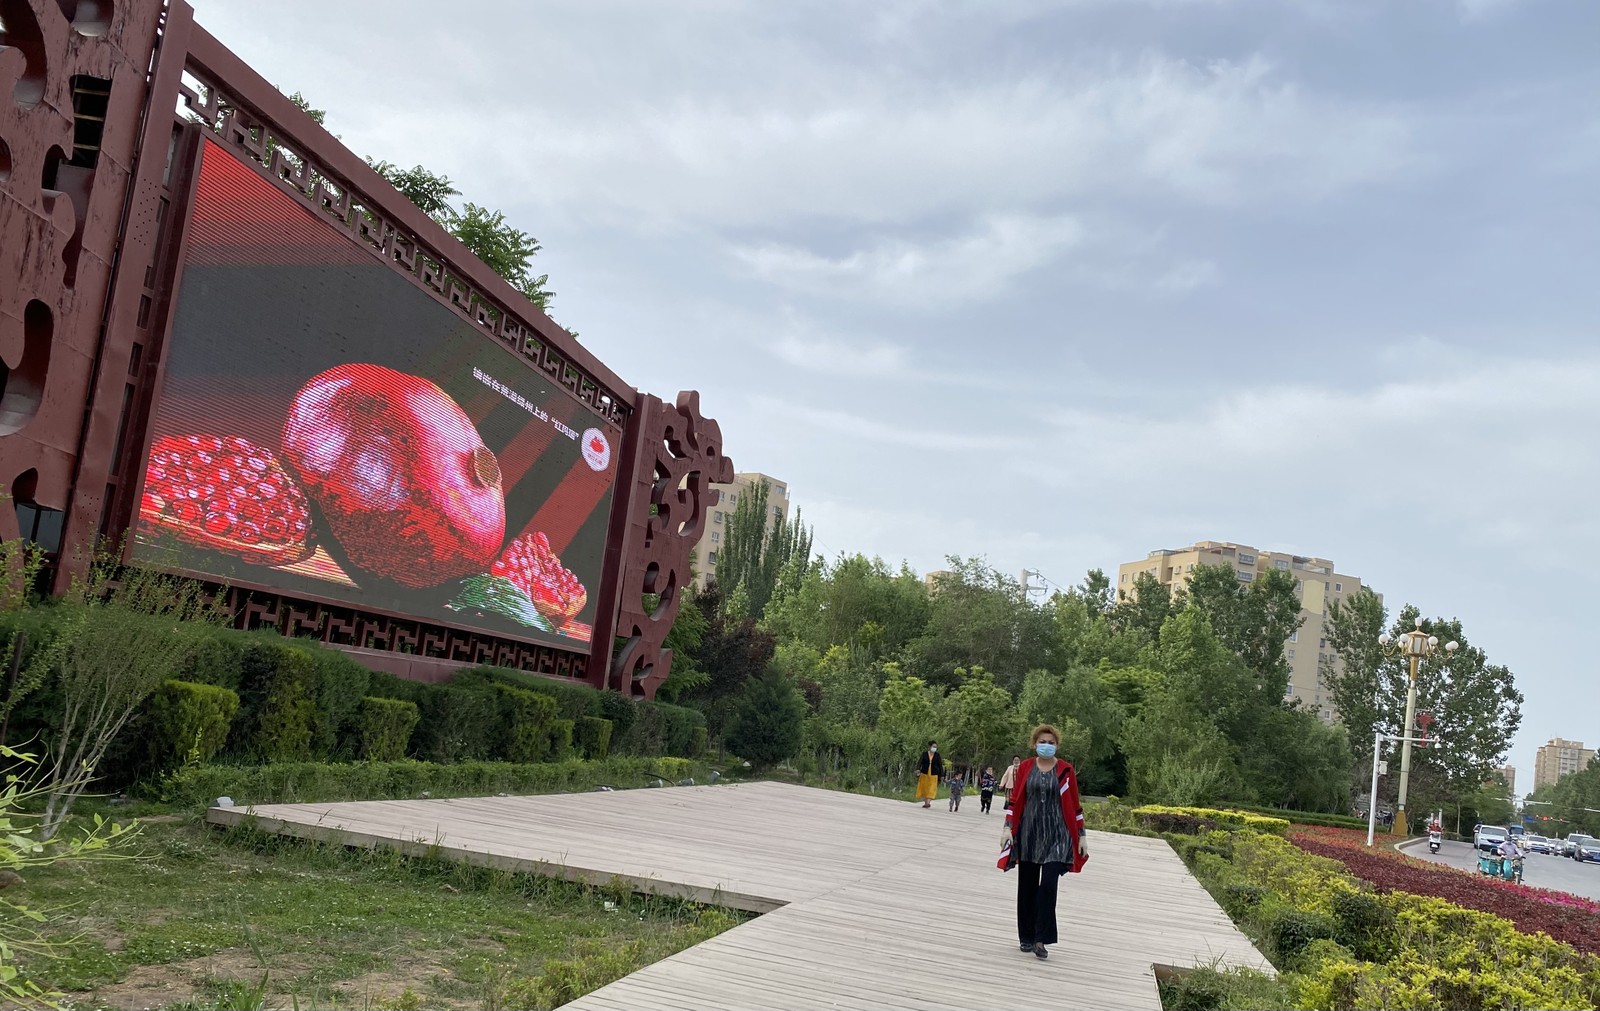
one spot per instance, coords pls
(534, 569)
(398, 472)
(226, 494)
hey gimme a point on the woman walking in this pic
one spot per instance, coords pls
(930, 769)
(1043, 839)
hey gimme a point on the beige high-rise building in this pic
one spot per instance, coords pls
(1509, 774)
(717, 519)
(1558, 758)
(1316, 583)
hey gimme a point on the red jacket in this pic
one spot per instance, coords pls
(1071, 811)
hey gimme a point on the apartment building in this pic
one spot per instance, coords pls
(1509, 774)
(1558, 758)
(717, 519)
(1317, 583)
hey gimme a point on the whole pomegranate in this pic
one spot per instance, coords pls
(399, 473)
(534, 569)
(227, 494)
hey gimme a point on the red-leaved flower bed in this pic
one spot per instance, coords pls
(1564, 917)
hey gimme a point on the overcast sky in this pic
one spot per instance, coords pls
(1058, 282)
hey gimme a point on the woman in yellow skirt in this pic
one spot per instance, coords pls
(930, 769)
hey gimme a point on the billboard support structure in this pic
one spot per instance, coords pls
(75, 416)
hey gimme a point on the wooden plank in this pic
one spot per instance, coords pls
(869, 903)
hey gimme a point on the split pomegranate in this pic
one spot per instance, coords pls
(402, 479)
(534, 569)
(227, 494)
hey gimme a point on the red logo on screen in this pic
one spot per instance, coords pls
(596, 449)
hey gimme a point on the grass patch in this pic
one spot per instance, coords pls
(200, 916)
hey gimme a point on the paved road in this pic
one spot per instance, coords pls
(1560, 873)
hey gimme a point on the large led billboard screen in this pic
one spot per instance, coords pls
(327, 428)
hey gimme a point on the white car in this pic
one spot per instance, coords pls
(1488, 837)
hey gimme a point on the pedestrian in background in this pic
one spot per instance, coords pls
(930, 769)
(986, 788)
(1008, 779)
(958, 785)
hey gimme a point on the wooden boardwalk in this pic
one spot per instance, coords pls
(867, 903)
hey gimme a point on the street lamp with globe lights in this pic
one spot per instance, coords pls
(1417, 645)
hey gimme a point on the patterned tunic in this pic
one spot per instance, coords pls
(1042, 837)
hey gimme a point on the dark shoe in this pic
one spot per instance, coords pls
(1025, 946)
(1040, 952)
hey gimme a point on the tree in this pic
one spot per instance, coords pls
(1475, 706)
(754, 554)
(22, 847)
(1353, 682)
(854, 601)
(981, 617)
(1145, 608)
(503, 249)
(907, 715)
(1081, 706)
(111, 650)
(766, 724)
(977, 719)
(1253, 619)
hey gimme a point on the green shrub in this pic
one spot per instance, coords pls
(188, 722)
(525, 720)
(218, 658)
(593, 736)
(1313, 955)
(381, 685)
(621, 711)
(385, 728)
(1207, 988)
(277, 692)
(459, 724)
(341, 686)
(1239, 900)
(558, 745)
(573, 699)
(1305, 817)
(1214, 816)
(698, 741)
(680, 725)
(321, 782)
(1291, 930)
(1366, 925)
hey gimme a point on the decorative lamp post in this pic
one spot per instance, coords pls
(1416, 645)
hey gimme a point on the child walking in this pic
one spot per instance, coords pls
(986, 788)
(956, 786)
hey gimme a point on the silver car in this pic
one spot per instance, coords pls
(1489, 837)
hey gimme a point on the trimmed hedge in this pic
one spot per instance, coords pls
(1196, 819)
(277, 689)
(593, 736)
(321, 782)
(188, 722)
(459, 724)
(525, 719)
(341, 687)
(385, 728)
(639, 726)
(1305, 817)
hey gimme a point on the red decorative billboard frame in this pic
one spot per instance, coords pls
(103, 104)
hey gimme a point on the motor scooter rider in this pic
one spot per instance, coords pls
(1509, 851)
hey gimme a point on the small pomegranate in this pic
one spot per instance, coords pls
(227, 494)
(534, 569)
(402, 479)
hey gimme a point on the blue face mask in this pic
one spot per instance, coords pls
(1045, 749)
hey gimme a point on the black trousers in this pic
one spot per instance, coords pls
(987, 796)
(1036, 902)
